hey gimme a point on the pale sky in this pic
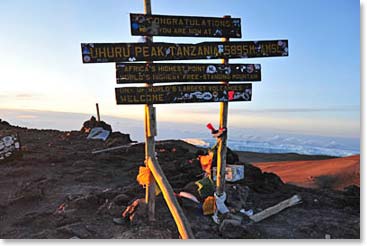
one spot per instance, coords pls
(315, 90)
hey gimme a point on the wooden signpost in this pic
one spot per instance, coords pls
(184, 26)
(195, 93)
(150, 25)
(130, 52)
(222, 142)
(150, 125)
(185, 72)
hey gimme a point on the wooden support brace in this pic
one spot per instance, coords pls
(182, 223)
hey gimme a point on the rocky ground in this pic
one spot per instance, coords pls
(59, 189)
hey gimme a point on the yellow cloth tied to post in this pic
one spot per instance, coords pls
(145, 178)
(209, 205)
(206, 162)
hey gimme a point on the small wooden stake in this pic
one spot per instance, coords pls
(149, 135)
(98, 117)
(222, 141)
(113, 148)
(296, 199)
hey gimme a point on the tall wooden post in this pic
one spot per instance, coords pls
(150, 132)
(151, 162)
(222, 142)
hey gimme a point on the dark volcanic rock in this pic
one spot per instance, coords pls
(92, 122)
(232, 157)
(4, 123)
(232, 229)
(260, 182)
(78, 230)
(146, 232)
(121, 199)
(118, 138)
(205, 235)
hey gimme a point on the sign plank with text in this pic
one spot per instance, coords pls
(184, 26)
(197, 93)
(185, 72)
(130, 52)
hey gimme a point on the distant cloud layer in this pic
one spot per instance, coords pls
(345, 108)
(25, 96)
(20, 96)
(240, 138)
(300, 110)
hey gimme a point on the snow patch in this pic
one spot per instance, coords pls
(286, 144)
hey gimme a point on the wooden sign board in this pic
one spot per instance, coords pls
(187, 72)
(184, 26)
(196, 93)
(125, 52)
